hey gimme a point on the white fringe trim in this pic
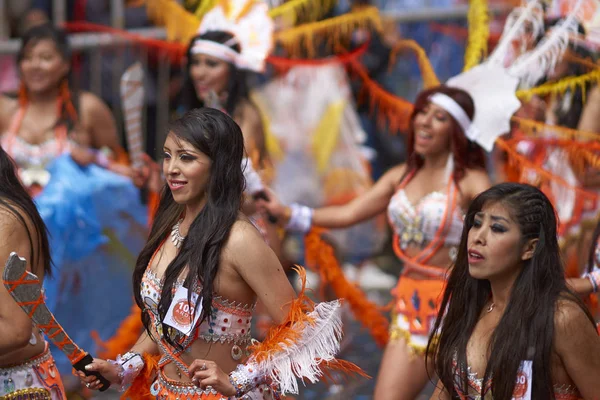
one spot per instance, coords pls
(320, 342)
(533, 13)
(534, 65)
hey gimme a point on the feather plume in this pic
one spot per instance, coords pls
(304, 345)
(180, 24)
(304, 10)
(140, 387)
(515, 27)
(303, 40)
(204, 7)
(534, 65)
(479, 32)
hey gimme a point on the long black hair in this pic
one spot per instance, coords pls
(47, 31)
(215, 134)
(237, 87)
(592, 253)
(526, 330)
(15, 199)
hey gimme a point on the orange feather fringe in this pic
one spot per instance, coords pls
(519, 161)
(140, 388)
(281, 336)
(320, 256)
(392, 110)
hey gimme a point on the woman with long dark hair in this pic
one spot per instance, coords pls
(200, 274)
(508, 325)
(64, 144)
(424, 199)
(26, 365)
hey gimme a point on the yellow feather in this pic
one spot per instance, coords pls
(430, 79)
(271, 143)
(561, 86)
(327, 133)
(306, 10)
(479, 32)
(204, 7)
(303, 38)
(180, 24)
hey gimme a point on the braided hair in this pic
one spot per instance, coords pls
(526, 330)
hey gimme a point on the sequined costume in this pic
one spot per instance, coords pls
(434, 224)
(228, 323)
(36, 378)
(271, 366)
(475, 384)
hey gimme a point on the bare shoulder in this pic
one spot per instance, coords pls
(243, 237)
(250, 111)
(90, 103)
(572, 326)
(8, 108)
(394, 175)
(570, 317)
(474, 182)
(15, 225)
(594, 94)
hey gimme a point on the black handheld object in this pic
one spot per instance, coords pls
(80, 366)
(263, 196)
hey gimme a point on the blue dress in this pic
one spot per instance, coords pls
(97, 226)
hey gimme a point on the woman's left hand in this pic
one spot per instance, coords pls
(205, 373)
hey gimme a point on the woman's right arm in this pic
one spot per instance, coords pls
(374, 201)
(8, 108)
(113, 370)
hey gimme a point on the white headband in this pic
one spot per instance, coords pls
(457, 112)
(218, 50)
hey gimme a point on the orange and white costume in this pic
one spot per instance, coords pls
(37, 378)
(301, 347)
(435, 224)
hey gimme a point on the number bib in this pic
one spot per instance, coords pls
(181, 313)
(523, 385)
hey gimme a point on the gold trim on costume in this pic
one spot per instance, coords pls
(28, 394)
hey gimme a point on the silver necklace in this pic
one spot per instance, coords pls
(176, 237)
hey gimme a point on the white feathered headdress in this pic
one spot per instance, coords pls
(493, 86)
(251, 26)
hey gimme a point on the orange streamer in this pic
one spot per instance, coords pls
(140, 388)
(430, 79)
(320, 256)
(284, 64)
(515, 157)
(392, 110)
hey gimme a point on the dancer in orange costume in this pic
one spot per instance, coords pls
(424, 199)
(199, 276)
